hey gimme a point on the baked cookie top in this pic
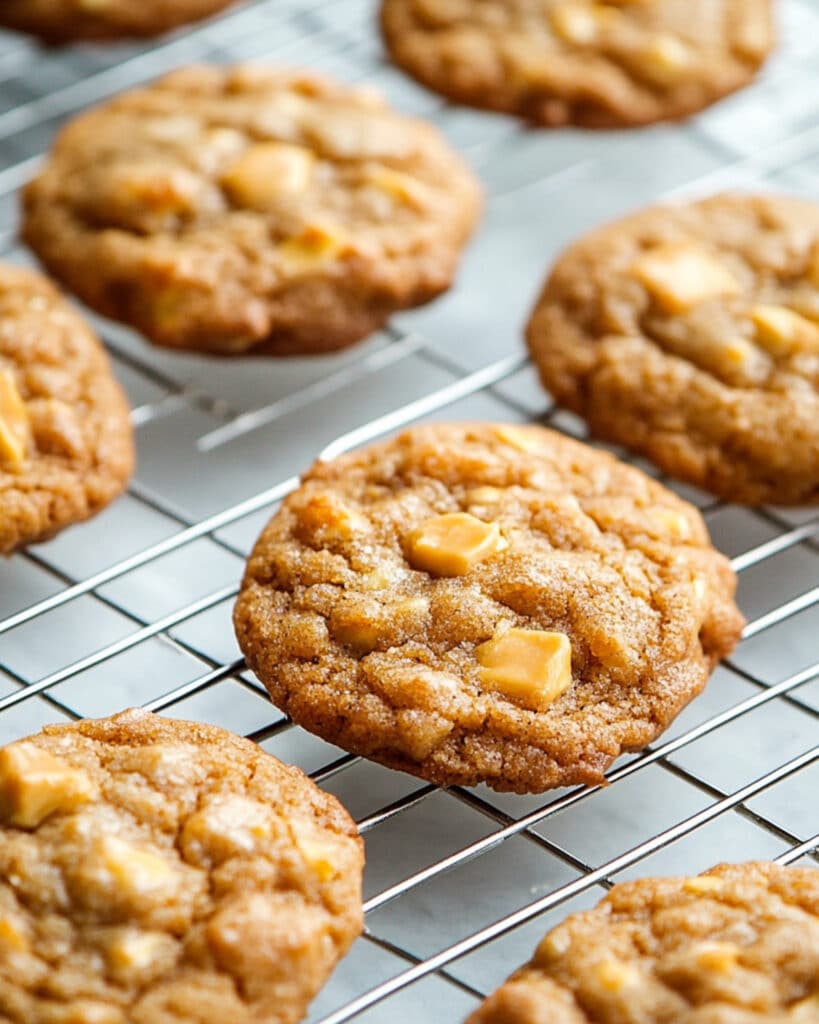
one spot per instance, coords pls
(162, 871)
(736, 945)
(600, 65)
(691, 334)
(62, 20)
(66, 445)
(485, 603)
(238, 209)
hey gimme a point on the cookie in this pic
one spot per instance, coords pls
(485, 603)
(64, 20)
(736, 945)
(599, 65)
(690, 334)
(66, 446)
(157, 871)
(251, 210)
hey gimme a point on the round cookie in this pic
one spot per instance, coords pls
(736, 945)
(485, 603)
(66, 446)
(163, 872)
(690, 334)
(64, 20)
(245, 209)
(599, 65)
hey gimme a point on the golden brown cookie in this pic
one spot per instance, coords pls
(485, 603)
(600, 65)
(691, 334)
(251, 210)
(162, 872)
(736, 945)
(66, 446)
(64, 20)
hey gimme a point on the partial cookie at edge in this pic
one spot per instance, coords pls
(690, 333)
(161, 870)
(572, 62)
(66, 443)
(738, 944)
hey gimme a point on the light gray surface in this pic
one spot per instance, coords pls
(543, 189)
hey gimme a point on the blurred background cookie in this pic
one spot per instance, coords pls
(250, 210)
(600, 65)
(64, 20)
(159, 870)
(691, 334)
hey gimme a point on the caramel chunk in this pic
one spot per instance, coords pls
(615, 975)
(15, 428)
(450, 545)
(266, 172)
(680, 275)
(315, 246)
(531, 666)
(717, 956)
(34, 784)
(782, 331)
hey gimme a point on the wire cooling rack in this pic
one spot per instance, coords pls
(134, 608)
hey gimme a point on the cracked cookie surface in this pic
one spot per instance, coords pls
(163, 872)
(691, 335)
(64, 20)
(485, 603)
(245, 209)
(66, 447)
(736, 945)
(599, 65)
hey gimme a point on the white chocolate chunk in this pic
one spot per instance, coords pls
(782, 331)
(134, 870)
(665, 59)
(576, 23)
(450, 545)
(318, 856)
(136, 951)
(530, 666)
(806, 1011)
(681, 275)
(403, 187)
(701, 885)
(34, 784)
(671, 522)
(266, 172)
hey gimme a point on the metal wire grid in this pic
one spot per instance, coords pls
(449, 910)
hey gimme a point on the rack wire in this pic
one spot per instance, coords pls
(134, 608)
